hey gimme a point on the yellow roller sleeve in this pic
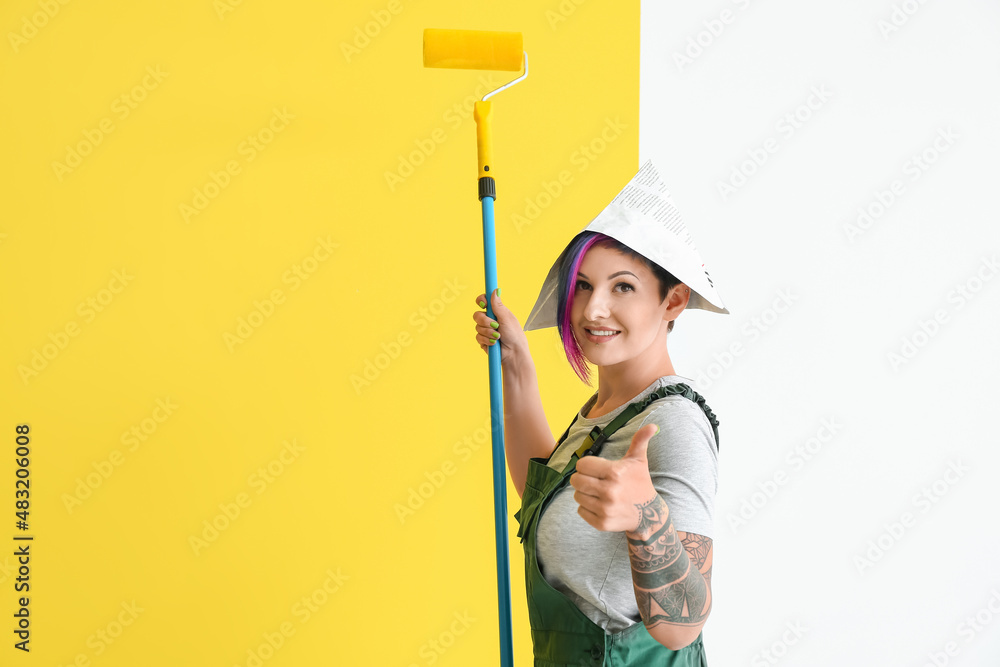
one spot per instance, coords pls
(473, 49)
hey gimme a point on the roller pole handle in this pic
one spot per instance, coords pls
(499, 455)
(487, 194)
(483, 113)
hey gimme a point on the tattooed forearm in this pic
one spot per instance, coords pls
(697, 547)
(669, 588)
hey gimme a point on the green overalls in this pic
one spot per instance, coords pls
(561, 634)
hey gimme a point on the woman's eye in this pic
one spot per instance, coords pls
(582, 284)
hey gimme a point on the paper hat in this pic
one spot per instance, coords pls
(643, 217)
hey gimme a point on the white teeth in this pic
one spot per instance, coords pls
(602, 333)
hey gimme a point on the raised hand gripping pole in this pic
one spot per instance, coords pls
(482, 49)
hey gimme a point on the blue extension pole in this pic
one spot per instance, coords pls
(499, 456)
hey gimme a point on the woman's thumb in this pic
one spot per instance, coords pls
(640, 442)
(497, 301)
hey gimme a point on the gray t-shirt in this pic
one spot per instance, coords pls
(591, 567)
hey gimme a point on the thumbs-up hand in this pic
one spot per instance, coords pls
(611, 493)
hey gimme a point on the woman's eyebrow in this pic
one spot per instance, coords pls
(620, 273)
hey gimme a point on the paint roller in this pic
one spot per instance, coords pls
(490, 50)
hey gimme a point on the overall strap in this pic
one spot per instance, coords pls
(566, 432)
(595, 440)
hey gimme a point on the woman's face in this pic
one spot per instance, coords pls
(617, 292)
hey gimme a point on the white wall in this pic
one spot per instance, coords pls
(819, 310)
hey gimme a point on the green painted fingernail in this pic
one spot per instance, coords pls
(496, 335)
(494, 325)
(482, 304)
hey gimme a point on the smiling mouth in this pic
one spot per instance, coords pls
(600, 336)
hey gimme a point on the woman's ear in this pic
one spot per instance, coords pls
(677, 301)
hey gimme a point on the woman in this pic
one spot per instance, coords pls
(616, 517)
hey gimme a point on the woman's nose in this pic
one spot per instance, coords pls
(597, 306)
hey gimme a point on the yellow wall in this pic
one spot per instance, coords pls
(131, 270)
